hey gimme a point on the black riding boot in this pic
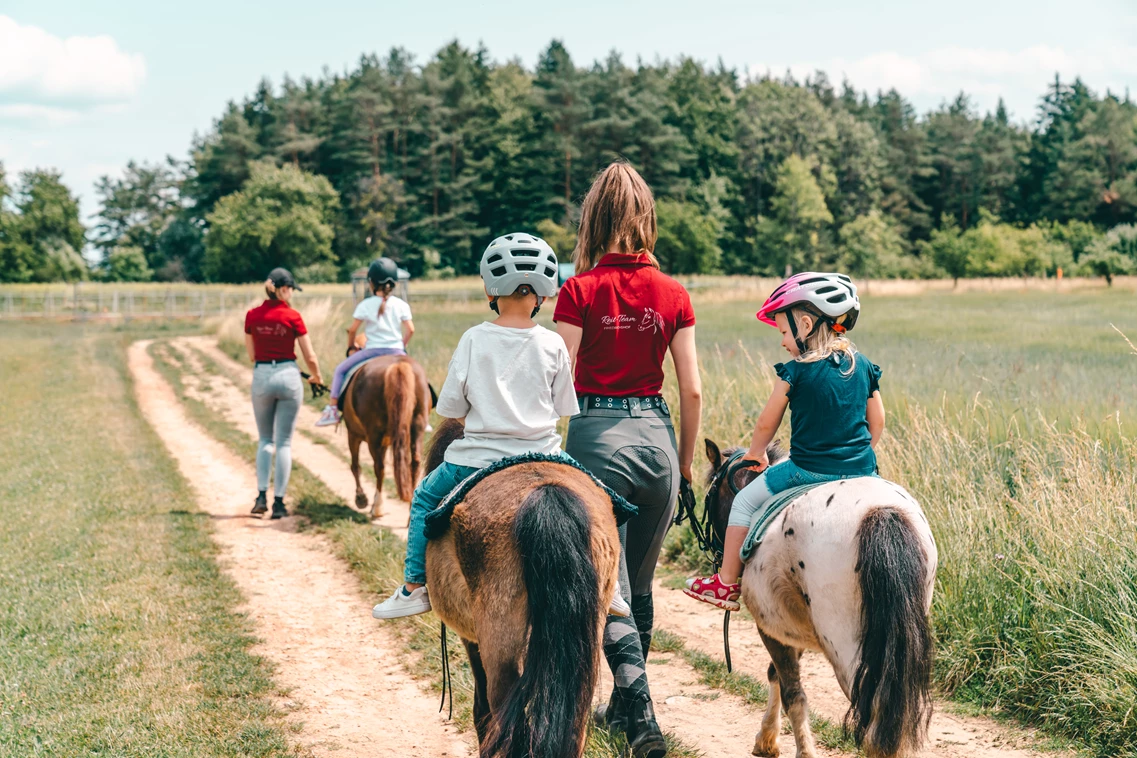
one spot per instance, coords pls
(644, 736)
(612, 715)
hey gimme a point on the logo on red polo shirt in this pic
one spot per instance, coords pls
(651, 320)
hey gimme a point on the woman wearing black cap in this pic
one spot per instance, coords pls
(271, 332)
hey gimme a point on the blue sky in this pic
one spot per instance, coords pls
(86, 86)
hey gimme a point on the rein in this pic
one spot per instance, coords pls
(703, 526)
(318, 390)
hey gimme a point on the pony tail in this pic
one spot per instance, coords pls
(270, 289)
(387, 289)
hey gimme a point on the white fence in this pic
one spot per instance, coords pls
(92, 301)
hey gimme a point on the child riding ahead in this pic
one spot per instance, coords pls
(387, 324)
(510, 379)
(836, 416)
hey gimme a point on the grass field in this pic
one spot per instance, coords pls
(1011, 418)
(117, 630)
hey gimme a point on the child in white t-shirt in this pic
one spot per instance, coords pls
(511, 380)
(387, 324)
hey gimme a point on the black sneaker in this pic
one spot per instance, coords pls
(261, 505)
(278, 509)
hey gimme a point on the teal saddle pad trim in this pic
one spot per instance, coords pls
(764, 517)
(438, 520)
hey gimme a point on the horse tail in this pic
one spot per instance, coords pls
(891, 703)
(400, 392)
(546, 712)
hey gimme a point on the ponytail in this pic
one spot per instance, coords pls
(270, 289)
(386, 293)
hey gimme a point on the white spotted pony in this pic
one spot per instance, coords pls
(847, 569)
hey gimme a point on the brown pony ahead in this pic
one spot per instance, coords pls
(524, 575)
(386, 405)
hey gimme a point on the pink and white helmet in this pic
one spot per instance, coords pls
(834, 295)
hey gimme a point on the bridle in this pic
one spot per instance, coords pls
(702, 526)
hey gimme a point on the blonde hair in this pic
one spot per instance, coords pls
(618, 211)
(824, 342)
(270, 289)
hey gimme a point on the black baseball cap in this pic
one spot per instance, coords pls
(281, 277)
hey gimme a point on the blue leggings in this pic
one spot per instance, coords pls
(778, 478)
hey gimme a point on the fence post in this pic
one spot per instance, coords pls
(11, 311)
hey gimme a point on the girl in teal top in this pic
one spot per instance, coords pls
(836, 414)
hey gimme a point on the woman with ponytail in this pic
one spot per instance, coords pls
(387, 325)
(272, 330)
(619, 317)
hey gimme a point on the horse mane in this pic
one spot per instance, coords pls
(448, 431)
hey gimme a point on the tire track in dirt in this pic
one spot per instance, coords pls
(348, 695)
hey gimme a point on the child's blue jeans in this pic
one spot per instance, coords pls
(428, 494)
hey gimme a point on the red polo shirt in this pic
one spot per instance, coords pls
(629, 312)
(275, 327)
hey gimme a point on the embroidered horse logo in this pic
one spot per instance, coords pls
(651, 320)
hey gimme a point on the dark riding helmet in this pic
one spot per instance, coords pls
(383, 271)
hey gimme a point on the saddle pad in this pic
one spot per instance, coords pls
(438, 520)
(763, 518)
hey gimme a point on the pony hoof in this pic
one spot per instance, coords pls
(766, 750)
(361, 501)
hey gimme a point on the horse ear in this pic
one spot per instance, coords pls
(713, 454)
(775, 451)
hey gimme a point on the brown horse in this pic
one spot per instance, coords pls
(386, 404)
(846, 569)
(524, 575)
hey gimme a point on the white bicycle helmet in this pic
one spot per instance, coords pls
(519, 260)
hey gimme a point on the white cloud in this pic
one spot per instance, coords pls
(52, 80)
(928, 78)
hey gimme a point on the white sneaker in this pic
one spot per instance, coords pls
(401, 604)
(618, 607)
(330, 416)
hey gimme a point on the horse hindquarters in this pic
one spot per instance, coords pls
(401, 395)
(545, 712)
(891, 702)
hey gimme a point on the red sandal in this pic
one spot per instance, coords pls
(715, 591)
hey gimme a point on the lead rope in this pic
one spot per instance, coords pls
(447, 682)
(704, 533)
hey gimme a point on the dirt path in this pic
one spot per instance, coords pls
(692, 711)
(348, 696)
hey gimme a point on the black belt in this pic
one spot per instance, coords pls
(275, 363)
(615, 403)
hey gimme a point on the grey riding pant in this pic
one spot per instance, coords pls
(633, 451)
(278, 392)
